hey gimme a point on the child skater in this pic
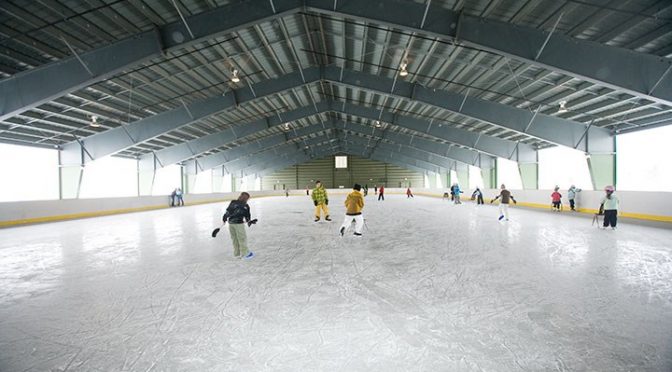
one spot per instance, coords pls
(321, 201)
(478, 195)
(409, 193)
(237, 214)
(504, 203)
(571, 195)
(556, 197)
(354, 204)
(610, 204)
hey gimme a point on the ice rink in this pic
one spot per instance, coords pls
(430, 287)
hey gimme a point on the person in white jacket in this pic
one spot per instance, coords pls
(571, 195)
(609, 205)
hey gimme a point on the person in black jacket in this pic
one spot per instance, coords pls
(237, 214)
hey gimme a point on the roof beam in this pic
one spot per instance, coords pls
(125, 136)
(545, 127)
(34, 87)
(640, 74)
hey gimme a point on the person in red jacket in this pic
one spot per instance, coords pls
(556, 197)
(409, 193)
(381, 193)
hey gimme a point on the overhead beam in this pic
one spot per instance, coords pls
(534, 124)
(125, 136)
(643, 75)
(29, 89)
(186, 150)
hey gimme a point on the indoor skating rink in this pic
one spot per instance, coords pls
(430, 287)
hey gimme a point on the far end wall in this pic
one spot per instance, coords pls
(359, 170)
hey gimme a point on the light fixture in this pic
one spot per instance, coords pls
(403, 72)
(235, 77)
(286, 126)
(378, 124)
(563, 107)
(94, 122)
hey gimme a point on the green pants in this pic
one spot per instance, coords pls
(239, 238)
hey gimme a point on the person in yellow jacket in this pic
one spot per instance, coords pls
(354, 204)
(321, 201)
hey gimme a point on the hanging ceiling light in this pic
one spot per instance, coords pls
(378, 124)
(286, 126)
(563, 107)
(235, 77)
(403, 72)
(94, 122)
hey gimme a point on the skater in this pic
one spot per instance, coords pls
(173, 197)
(556, 199)
(178, 195)
(571, 195)
(307, 192)
(456, 193)
(366, 190)
(287, 193)
(478, 195)
(381, 193)
(409, 193)
(609, 205)
(237, 214)
(504, 203)
(452, 193)
(375, 190)
(321, 201)
(354, 204)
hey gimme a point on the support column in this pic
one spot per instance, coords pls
(70, 181)
(218, 179)
(462, 171)
(146, 182)
(490, 177)
(70, 173)
(602, 170)
(529, 174)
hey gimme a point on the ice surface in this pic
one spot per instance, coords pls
(431, 287)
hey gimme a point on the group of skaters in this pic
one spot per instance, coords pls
(238, 212)
(556, 198)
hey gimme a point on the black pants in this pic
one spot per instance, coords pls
(610, 217)
(381, 196)
(571, 203)
(479, 200)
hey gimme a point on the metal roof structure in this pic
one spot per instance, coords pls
(484, 78)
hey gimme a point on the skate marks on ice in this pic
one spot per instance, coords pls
(429, 287)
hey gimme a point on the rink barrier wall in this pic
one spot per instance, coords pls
(41, 211)
(651, 206)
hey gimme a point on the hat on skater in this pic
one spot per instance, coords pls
(357, 187)
(609, 188)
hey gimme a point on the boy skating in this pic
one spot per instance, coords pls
(409, 193)
(556, 198)
(571, 195)
(478, 195)
(610, 204)
(321, 201)
(237, 214)
(381, 193)
(354, 204)
(506, 197)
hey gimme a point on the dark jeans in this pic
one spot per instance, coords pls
(571, 203)
(479, 200)
(610, 217)
(381, 196)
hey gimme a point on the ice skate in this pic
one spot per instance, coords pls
(358, 234)
(342, 231)
(249, 256)
(327, 218)
(317, 219)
